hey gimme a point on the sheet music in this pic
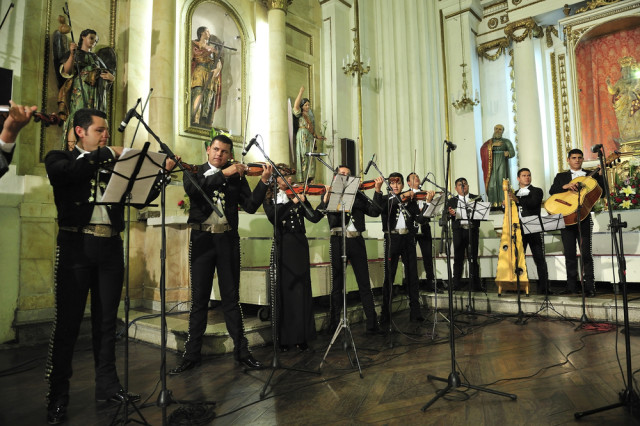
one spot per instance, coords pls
(147, 175)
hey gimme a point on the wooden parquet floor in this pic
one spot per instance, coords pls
(553, 369)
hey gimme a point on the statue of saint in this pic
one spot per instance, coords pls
(495, 154)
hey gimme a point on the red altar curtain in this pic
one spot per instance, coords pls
(596, 60)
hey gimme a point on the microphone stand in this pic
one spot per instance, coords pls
(6, 15)
(453, 380)
(445, 194)
(274, 287)
(144, 107)
(583, 319)
(165, 397)
(628, 397)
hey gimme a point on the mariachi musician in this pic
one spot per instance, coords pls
(296, 324)
(571, 234)
(398, 224)
(423, 233)
(215, 246)
(356, 252)
(529, 200)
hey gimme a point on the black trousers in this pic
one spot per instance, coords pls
(424, 240)
(462, 244)
(396, 246)
(209, 253)
(84, 264)
(570, 238)
(536, 242)
(357, 256)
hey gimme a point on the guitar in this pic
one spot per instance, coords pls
(566, 203)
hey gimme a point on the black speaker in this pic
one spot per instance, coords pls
(6, 82)
(348, 154)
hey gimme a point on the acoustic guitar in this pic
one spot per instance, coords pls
(566, 203)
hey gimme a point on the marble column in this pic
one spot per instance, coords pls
(278, 130)
(530, 139)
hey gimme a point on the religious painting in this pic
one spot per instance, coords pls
(608, 86)
(215, 78)
(82, 66)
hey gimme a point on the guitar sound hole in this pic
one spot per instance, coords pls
(505, 247)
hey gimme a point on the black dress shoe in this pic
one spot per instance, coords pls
(303, 347)
(284, 348)
(119, 396)
(186, 365)
(591, 293)
(372, 331)
(56, 414)
(563, 292)
(384, 318)
(250, 362)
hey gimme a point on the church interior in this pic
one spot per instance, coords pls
(406, 86)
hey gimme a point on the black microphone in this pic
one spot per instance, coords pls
(452, 146)
(316, 154)
(129, 116)
(597, 147)
(369, 165)
(248, 147)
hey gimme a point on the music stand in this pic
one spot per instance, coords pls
(131, 181)
(342, 196)
(473, 210)
(541, 224)
(433, 209)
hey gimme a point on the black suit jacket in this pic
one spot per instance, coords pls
(453, 203)
(75, 182)
(362, 206)
(389, 209)
(531, 203)
(236, 193)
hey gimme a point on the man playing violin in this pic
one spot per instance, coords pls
(356, 253)
(529, 200)
(89, 259)
(398, 224)
(571, 234)
(465, 235)
(423, 232)
(215, 245)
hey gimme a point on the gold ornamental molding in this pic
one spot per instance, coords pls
(550, 30)
(556, 106)
(277, 4)
(594, 4)
(529, 28)
(564, 108)
(498, 47)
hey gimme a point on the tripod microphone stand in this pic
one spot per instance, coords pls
(453, 380)
(628, 397)
(431, 210)
(343, 184)
(274, 287)
(583, 318)
(165, 397)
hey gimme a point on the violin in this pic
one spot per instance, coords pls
(255, 169)
(417, 196)
(311, 190)
(193, 168)
(47, 119)
(367, 184)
